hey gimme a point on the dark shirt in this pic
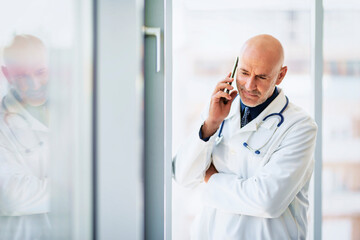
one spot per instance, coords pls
(254, 111)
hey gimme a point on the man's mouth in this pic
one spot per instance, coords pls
(35, 94)
(248, 94)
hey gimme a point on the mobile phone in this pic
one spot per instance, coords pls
(225, 101)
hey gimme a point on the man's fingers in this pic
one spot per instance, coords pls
(222, 86)
(226, 80)
(220, 94)
(233, 95)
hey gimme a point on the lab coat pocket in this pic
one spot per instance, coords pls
(254, 163)
(260, 144)
(262, 138)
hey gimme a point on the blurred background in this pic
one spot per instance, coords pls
(208, 35)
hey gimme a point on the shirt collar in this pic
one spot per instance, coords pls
(255, 111)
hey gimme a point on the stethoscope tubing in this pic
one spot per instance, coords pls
(27, 149)
(245, 144)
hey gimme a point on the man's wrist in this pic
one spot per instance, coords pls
(209, 128)
(201, 135)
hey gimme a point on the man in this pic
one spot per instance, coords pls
(24, 183)
(256, 164)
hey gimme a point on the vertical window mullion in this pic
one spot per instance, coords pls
(317, 13)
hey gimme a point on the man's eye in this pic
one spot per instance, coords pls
(244, 73)
(263, 78)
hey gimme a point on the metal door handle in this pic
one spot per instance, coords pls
(156, 32)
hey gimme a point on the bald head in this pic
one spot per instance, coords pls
(260, 69)
(264, 47)
(24, 49)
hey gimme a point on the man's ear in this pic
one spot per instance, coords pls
(281, 75)
(5, 71)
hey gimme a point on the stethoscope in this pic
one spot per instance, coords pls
(245, 144)
(7, 114)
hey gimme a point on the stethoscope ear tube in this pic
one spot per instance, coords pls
(276, 114)
(279, 114)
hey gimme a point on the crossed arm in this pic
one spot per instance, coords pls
(266, 194)
(21, 192)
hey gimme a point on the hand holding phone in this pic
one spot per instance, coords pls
(219, 104)
(225, 101)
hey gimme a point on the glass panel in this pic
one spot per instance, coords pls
(207, 36)
(341, 129)
(45, 87)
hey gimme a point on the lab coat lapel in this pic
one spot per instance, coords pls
(274, 107)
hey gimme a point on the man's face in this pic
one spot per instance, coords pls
(256, 77)
(29, 81)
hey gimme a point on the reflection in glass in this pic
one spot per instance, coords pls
(24, 183)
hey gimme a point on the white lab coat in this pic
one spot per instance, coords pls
(24, 183)
(253, 196)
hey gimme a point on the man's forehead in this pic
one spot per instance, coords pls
(263, 50)
(25, 56)
(26, 60)
(259, 67)
(29, 67)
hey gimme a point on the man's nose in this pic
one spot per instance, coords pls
(250, 83)
(33, 82)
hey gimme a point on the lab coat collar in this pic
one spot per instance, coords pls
(11, 105)
(274, 107)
